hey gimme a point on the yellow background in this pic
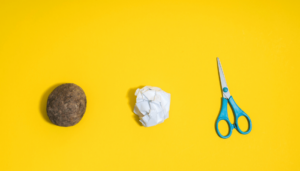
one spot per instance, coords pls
(110, 48)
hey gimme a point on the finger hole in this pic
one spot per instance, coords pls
(243, 123)
(223, 127)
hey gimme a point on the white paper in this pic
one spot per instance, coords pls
(152, 105)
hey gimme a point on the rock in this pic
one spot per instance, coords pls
(66, 105)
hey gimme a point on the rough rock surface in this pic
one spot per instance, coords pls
(66, 105)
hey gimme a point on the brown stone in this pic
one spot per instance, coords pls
(66, 105)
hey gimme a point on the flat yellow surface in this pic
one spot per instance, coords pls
(110, 48)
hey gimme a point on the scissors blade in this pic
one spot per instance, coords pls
(225, 89)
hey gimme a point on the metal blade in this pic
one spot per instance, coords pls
(225, 89)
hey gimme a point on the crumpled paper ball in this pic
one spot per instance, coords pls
(152, 105)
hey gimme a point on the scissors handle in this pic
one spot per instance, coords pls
(224, 116)
(238, 112)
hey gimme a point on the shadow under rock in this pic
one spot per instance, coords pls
(43, 102)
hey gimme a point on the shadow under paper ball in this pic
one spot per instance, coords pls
(131, 102)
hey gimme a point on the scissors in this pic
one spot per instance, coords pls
(236, 110)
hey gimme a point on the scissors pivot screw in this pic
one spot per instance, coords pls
(225, 89)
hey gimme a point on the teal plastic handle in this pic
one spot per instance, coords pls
(224, 116)
(237, 112)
